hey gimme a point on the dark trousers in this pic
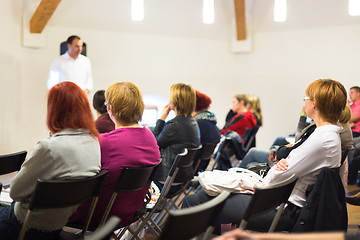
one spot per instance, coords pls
(10, 227)
(234, 210)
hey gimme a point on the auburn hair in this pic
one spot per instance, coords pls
(203, 101)
(69, 108)
(330, 97)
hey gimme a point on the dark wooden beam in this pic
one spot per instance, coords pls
(42, 15)
(240, 19)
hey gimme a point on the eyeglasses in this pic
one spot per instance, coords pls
(306, 98)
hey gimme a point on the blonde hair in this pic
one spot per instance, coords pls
(255, 107)
(330, 97)
(345, 115)
(183, 97)
(242, 97)
(126, 101)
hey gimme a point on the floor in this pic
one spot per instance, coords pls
(353, 211)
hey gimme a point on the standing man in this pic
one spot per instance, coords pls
(355, 111)
(71, 66)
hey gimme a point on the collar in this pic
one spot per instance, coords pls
(70, 132)
(328, 127)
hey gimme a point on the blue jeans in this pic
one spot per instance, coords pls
(10, 227)
(254, 155)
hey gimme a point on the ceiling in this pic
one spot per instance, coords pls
(184, 17)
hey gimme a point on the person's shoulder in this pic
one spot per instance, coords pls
(84, 58)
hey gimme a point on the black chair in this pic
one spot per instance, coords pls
(182, 162)
(191, 222)
(131, 180)
(12, 162)
(50, 194)
(105, 231)
(184, 178)
(203, 156)
(268, 198)
(225, 144)
(249, 137)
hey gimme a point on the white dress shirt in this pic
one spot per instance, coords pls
(65, 68)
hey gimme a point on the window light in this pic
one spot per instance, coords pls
(354, 7)
(137, 10)
(208, 11)
(280, 10)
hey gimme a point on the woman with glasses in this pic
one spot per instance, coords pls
(324, 102)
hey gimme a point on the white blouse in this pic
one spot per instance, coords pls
(322, 149)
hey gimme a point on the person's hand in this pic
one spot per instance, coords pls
(235, 234)
(165, 112)
(282, 165)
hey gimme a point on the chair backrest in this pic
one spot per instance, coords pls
(105, 232)
(249, 136)
(183, 165)
(225, 144)
(190, 222)
(12, 162)
(182, 161)
(49, 194)
(268, 198)
(131, 179)
(204, 154)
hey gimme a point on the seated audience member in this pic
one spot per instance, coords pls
(209, 132)
(324, 102)
(346, 143)
(129, 145)
(235, 130)
(178, 133)
(243, 119)
(255, 107)
(354, 162)
(71, 151)
(354, 96)
(103, 123)
(238, 234)
(260, 156)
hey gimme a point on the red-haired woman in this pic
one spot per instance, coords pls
(72, 151)
(209, 132)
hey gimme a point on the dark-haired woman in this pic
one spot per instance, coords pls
(72, 151)
(103, 122)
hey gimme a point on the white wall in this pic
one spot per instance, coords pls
(278, 70)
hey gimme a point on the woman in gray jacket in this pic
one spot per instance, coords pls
(71, 151)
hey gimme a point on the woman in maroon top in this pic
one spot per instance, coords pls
(103, 122)
(129, 145)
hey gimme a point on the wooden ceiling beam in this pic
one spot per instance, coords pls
(240, 19)
(42, 15)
